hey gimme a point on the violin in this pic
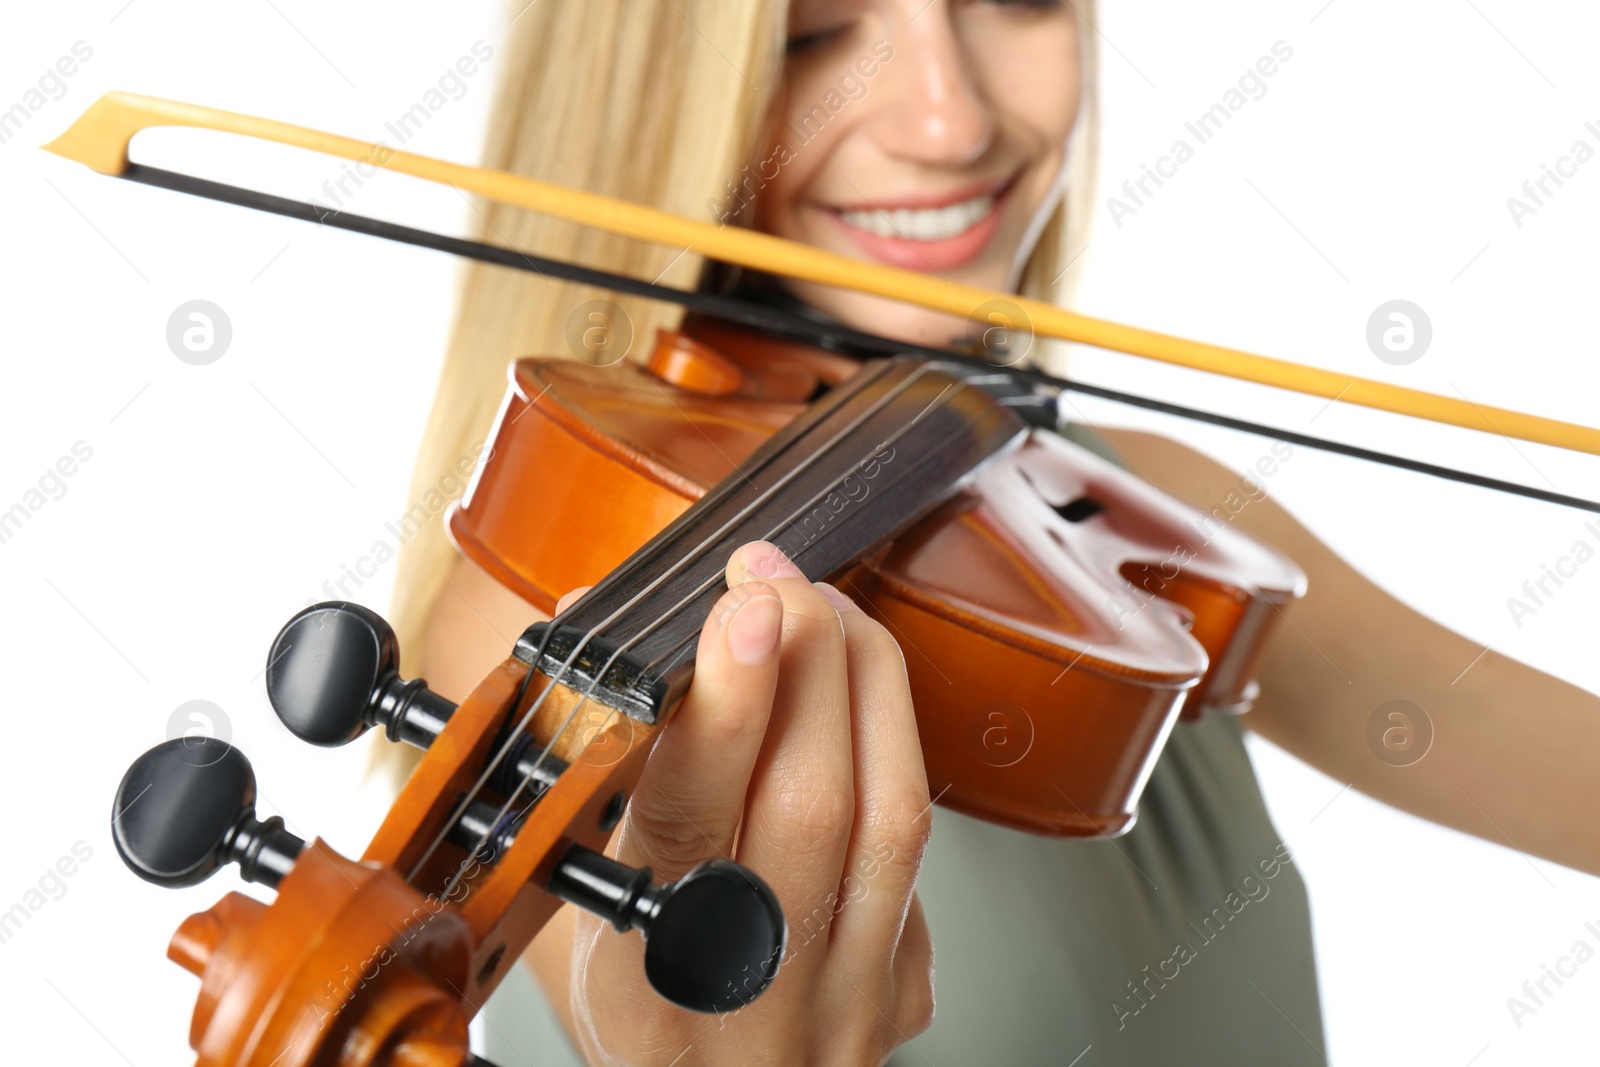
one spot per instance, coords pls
(1056, 612)
(1058, 617)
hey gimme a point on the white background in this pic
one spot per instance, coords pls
(219, 498)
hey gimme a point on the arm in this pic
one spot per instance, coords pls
(1516, 753)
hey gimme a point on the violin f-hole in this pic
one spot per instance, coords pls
(1078, 510)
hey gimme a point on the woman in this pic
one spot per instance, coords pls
(954, 137)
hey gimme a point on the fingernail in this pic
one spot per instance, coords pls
(772, 563)
(839, 601)
(756, 624)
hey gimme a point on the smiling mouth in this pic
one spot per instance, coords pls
(924, 224)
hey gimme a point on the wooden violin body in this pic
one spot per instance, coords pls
(1056, 616)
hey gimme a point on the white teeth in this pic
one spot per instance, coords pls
(923, 224)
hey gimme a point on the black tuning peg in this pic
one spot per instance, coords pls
(186, 808)
(713, 939)
(334, 671)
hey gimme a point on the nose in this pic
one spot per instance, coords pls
(935, 113)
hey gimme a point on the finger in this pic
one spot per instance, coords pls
(913, 975)
(898, 1004)
(892, 806)
(571, 598)
(802, 796)
(689, 801)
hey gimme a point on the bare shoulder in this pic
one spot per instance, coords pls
(472, 627)
(1169, 464)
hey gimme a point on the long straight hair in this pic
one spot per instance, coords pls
(661, 103)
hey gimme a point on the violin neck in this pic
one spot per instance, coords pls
(859, 466)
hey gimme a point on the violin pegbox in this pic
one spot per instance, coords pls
(384, 961)
(712, 937)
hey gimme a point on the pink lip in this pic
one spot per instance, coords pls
(928, 256)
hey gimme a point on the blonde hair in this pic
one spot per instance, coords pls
(660, 103)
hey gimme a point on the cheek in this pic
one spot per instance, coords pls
(797, 152)
(1036, 84)
(777, 200)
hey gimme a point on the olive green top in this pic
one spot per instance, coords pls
(1186, 940)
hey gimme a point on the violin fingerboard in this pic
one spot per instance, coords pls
(855, 469)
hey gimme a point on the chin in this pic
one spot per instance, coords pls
(887, 318)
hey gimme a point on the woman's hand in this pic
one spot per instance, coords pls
(794, 753)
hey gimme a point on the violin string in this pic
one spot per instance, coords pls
(912, 376)
(835, 337)
(500, 816)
